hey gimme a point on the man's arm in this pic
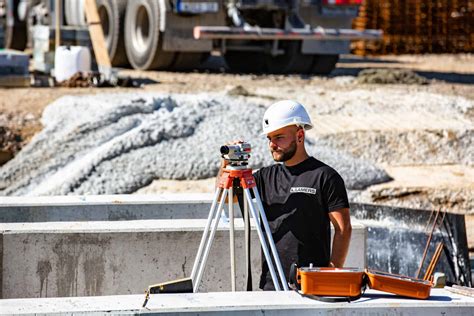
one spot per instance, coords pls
(342, 236)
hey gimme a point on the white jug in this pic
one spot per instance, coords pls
(69, 60)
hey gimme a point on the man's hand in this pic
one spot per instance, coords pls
(341, 221)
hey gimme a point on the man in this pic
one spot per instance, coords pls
(300, 196)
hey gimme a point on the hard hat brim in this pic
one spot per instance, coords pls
(275, 128)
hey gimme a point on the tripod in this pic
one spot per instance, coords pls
(225, 189)
(239, 172)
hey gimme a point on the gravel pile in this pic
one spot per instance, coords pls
(118, 143)
(454, 200)
(390, 76)
(411, 147)
(448, 139)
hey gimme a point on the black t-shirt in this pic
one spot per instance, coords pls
(297, 201)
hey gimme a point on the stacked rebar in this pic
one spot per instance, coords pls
(415, 26)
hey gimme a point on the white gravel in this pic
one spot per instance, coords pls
(119, 143)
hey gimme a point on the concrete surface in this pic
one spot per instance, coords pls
(104, 207)
(372, 303)
(62, 259)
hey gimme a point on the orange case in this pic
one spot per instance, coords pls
(330, 281)
(398, 284)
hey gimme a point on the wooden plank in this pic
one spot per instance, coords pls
(97, 35)
(57, 23)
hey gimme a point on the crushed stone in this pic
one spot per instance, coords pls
(407, 147)
(390, 76)
(453, 200)
(119, 143)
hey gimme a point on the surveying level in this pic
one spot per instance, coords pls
(237, 156)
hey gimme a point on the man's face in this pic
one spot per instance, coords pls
(282, 143)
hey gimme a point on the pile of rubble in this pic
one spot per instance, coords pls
(119, 143)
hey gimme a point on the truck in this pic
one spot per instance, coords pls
(258, 36)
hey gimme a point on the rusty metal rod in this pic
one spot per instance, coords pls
(428, 244)
(434, 261)
(429, 221)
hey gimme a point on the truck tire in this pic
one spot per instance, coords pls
(68, 16)
(187, 61)
(245, 62)
(324, 64)
(292, 61)
(74, 13)
(143, 37)
(112, 15)
(16, 31)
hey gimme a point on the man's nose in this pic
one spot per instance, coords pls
(272, 144)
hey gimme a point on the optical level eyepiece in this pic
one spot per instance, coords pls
(225, 150)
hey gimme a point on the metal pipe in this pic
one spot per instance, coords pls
(257, 33)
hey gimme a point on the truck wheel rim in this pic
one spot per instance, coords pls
(141, 31)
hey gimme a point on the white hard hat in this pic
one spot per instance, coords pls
(285, 113)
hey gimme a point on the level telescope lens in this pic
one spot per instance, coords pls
(225, 150)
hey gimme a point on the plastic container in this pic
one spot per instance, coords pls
(331, 281)
(398, 284)
(69, 60)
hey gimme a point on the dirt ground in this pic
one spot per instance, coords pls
(21, 108)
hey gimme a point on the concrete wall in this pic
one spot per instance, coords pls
(53, 259)
(101, 258)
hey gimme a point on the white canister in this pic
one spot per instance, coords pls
(69, 60)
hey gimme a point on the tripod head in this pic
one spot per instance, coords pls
(236, 155)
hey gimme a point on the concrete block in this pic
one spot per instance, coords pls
(52, 259)
(104, 207)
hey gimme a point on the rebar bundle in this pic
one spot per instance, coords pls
(417, 27)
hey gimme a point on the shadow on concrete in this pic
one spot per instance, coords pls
(373, 296)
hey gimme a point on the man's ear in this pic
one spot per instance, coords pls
(300, 135)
